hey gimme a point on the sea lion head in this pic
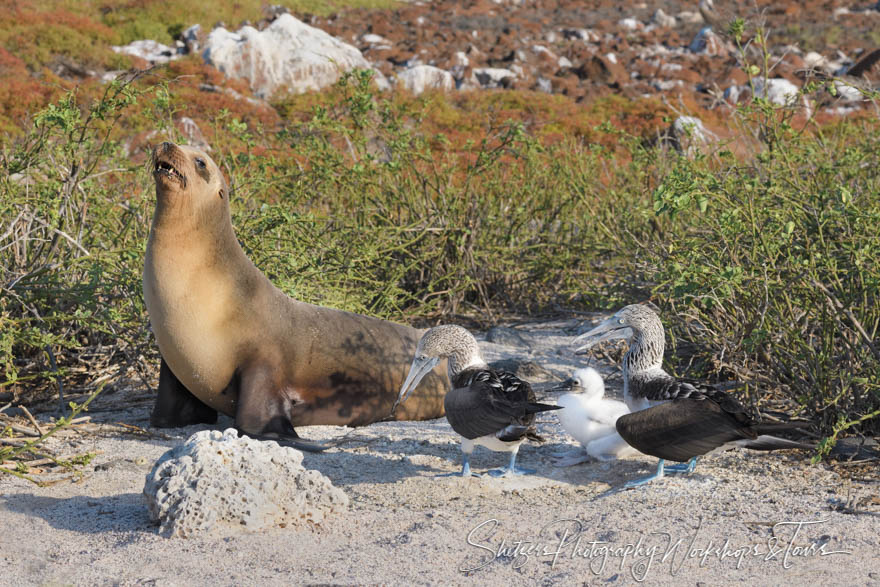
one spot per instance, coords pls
(188, 180)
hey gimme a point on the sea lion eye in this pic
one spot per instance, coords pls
(200, 163)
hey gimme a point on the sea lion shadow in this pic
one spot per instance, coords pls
(359, 383)
(346, 466)
(125, 512)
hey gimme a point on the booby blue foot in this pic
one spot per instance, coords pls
(638, 482)
(465, 469)
(685, 468)
(508, 472)
(511, 469)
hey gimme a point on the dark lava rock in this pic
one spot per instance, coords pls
(506, 336)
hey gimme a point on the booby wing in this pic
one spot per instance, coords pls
(683, 428)
(661, 386)
(484, 402)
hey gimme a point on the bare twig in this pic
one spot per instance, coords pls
(30, 417)
(13, 441)
(835, 304)
(54, 366)
(23, 430)
(64, 235)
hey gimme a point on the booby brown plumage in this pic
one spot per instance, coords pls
(486, 407)
(671, 418)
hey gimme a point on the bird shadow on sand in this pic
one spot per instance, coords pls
(389, 461)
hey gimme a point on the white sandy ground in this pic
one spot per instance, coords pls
(406, 527)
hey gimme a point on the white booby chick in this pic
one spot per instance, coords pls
(674, 419)
(590, 418)
(485, 407)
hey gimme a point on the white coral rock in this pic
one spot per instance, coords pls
(220, 484)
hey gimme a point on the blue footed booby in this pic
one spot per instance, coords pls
(485, 407)
(673, 419)
(589, 418)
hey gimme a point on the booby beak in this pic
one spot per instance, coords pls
(609, 329)
(421, 366)
(566, 385)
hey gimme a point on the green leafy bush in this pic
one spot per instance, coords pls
(774, 265)
(72, 244)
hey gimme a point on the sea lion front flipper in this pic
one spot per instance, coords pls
(176, 406)
(263, 411)
(293, 441)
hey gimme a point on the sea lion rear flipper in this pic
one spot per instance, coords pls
(176, 406)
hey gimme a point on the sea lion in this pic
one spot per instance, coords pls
(232, 342)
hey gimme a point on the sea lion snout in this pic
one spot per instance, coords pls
(168, 162)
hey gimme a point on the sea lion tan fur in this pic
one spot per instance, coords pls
(232, 342)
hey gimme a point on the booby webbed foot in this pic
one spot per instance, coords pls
(573, 458)
(678, 468)
(639, 482)
(569, 452)
(684, 468)
(512, 469)
(508, 472)
(465, 469)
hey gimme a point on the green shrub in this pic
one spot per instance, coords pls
(72, 244)
(774, 265)
(771, 265)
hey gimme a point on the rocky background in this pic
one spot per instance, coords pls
(583, 50)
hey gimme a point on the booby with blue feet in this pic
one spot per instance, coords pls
(486, 407)
(590, 419)
(670, 418)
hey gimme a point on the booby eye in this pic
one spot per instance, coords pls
(200, 163)
(620, 321)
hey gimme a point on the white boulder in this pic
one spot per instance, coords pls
(149, 50)
(629, 24)
(689, 134)
(488, 77)
(587, 35)
(426, 77)
(848, 92)
(191, 38)
(287, 54)
(777, 90)
(220, 484)
(374, 39)
(662, 19)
